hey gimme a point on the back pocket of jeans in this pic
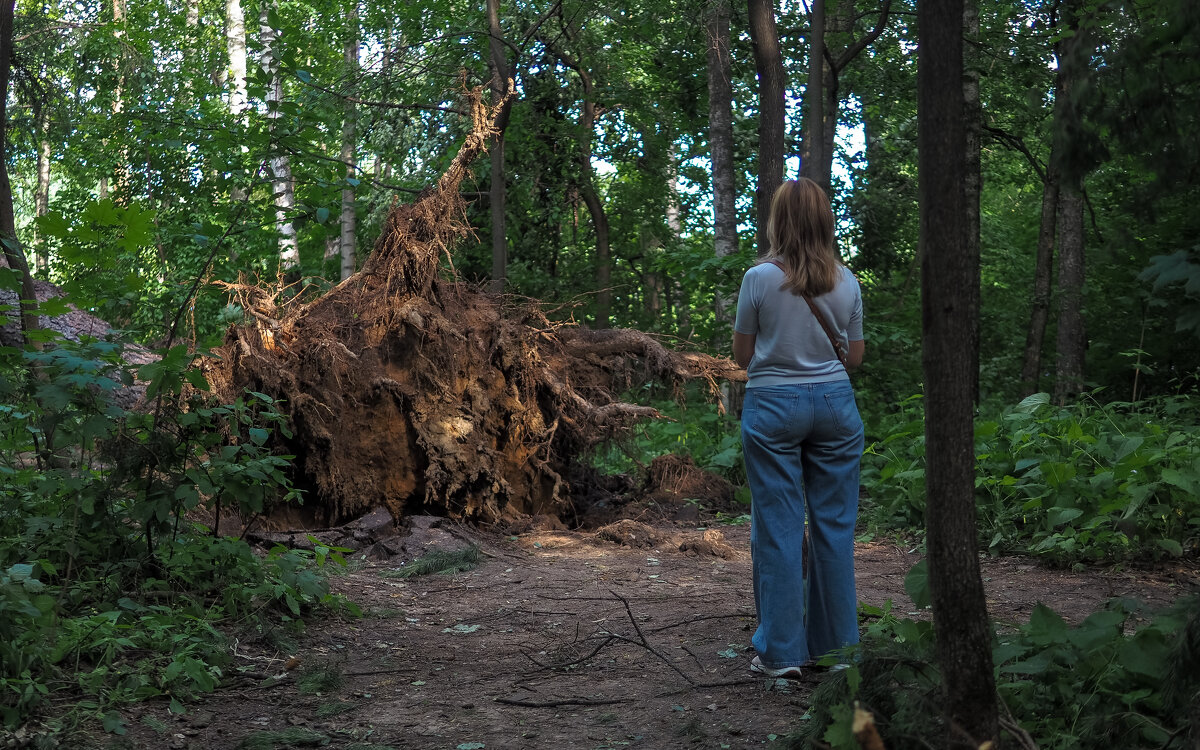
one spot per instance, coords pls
(770, 416)
(844, 411)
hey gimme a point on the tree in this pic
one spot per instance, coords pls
(501, 74)
(950, 351)
(349, 222)
(720, 140)
(14, 255)
(281, 168)
(1071, 341)
(768, 62)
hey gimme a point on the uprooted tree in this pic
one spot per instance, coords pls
(409, 389)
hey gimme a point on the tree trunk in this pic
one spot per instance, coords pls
(346, 244)
(720, 141)
(814, 159)
(41, 197)
(1073, 53)
(768, 61)
(825, 67)
(1072, 338)
(498, 191)
(973, 129)
(235, 43)
(1039, 312)
(239, 97)
(603, 252)
(587, 189)
(121, 181)
(14, 255)
(950, 359)
(281, 168)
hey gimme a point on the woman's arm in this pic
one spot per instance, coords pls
(854, 357)
(743, 348)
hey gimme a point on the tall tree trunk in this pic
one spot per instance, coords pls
(973, 129)
(193, 13)
(235, 43)
(346, 245)
(813, 158)
(1071, 340)
(679, 297)
(1073, 53)
(1039, 312)
(498, 191)
(768, 61)
(830, 19)
(239, 97)
(41, 196)
(950, 363)
(281, 168)
(720, 141)
(121, 171)
(14, 255)
(587, 188)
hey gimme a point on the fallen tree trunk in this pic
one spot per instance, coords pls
(430, 397)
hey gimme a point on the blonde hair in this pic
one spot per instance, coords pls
(800, 231)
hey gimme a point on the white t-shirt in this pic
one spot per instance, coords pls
(790, 346)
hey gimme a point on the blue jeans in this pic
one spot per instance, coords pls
(802, 445)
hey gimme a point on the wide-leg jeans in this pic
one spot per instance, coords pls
(802, 444)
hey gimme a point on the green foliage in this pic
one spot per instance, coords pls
(108, 594)
(444, 562)
(1089, 482)
(1063, 685)
(693, 426)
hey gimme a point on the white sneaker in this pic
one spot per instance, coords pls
(787, 673)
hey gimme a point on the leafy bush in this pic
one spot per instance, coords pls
(1087, 482)
(107, 591)
(1064, 686)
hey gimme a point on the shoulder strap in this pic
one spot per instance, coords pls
(839, 349)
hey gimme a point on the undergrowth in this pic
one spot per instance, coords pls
(1089, 482)
(108, 593)
(1124, 677)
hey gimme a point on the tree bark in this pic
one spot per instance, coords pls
(814, 159)
(720, 140)
(235, 43)
(347, 249)
(41, 198)
(1071, 344)
(950, 362)
(14, 255)
(281, 168)
(768, 61)
(1039, 312)
(973, 129)
(498, 192)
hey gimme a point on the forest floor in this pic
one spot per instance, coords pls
(564, 639)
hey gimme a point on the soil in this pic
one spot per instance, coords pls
(635, 635)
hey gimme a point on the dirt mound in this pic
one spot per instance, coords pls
(413, 391)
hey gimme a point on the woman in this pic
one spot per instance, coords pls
(801, 433)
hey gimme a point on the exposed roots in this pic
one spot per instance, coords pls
(427, 396)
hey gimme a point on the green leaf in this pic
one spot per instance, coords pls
(916, 584)
(1171, 546)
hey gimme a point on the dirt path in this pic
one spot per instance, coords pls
(648, 646)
